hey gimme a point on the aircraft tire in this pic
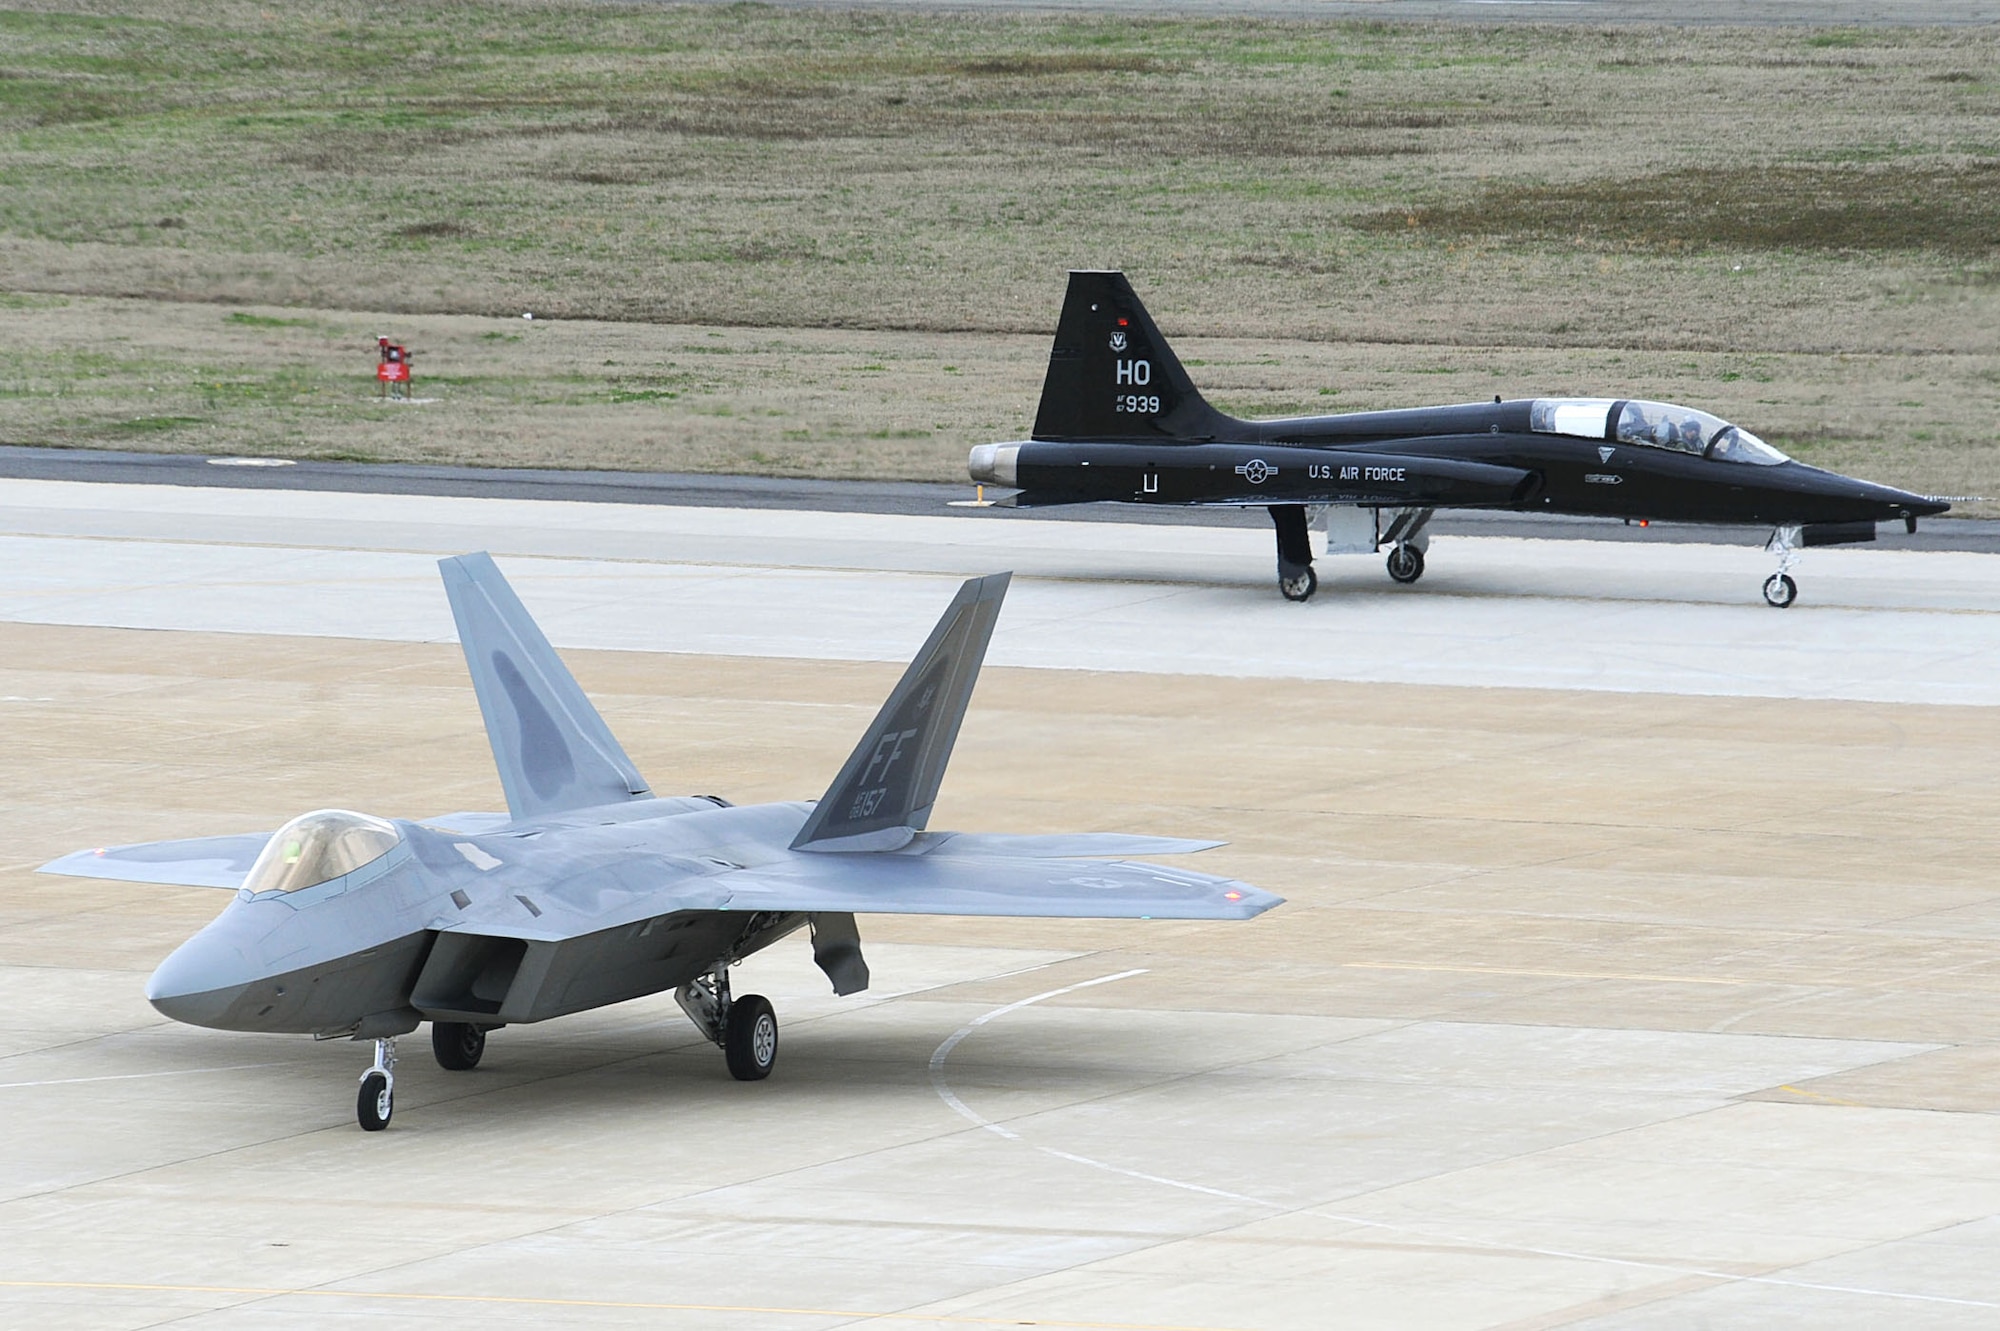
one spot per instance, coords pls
(1301, 587)
(1780, 591)
(375, 1103)
(1406, 563)
(750, 1038)
(457, 1045)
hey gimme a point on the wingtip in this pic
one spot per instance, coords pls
(1247, 902)
(466, 564)
(991, 586)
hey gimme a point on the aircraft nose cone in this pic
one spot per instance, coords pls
(197, 983)
(1901, 503)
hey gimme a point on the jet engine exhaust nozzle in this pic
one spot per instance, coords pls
(995, 464)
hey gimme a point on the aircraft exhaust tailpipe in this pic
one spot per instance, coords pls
(995, 464)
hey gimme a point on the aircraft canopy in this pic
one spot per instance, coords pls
(1653, 425)
(318, 846)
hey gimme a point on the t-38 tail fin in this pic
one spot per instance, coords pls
(883, 796)
(553, 750)
(1113, 376)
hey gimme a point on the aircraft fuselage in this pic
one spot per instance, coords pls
(1121, 421)
(466, 928)
(1471, 456)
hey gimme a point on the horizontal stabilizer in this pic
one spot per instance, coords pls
(203, 861)
(553, 750)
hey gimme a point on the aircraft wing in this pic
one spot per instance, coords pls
(1054, 846)
(210, 861)
(894, 884)
(203, 861)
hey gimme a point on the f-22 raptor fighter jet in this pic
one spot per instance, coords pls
(592, 890)
(1120, 420)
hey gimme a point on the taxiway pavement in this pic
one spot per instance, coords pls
(1874, 625)
(1638, 970)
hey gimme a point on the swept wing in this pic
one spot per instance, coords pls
(203, 861)
(983, 885)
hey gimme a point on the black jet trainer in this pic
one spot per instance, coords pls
(1121, 421)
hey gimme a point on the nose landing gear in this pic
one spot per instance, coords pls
(377, 1098)
(1779, 589)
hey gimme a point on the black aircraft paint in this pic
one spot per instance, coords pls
(1121, 421)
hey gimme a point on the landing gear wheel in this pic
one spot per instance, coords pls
(457, 1045)
(1406, 563)
(1780, 590)
(1299, 586)
(375, 1102)
(750, 1038)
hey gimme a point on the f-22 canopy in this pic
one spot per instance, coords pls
(1121, 421)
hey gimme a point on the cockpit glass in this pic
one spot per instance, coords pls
(318, 846)
(1580, 416)
(1685, 430)
(1663, 425)
(1734, 445)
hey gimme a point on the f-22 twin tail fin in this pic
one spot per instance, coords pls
(883, 795)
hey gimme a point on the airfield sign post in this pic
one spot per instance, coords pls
(392, 371)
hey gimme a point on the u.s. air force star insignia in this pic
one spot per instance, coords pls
(1256, 471)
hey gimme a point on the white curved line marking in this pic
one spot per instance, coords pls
(973, 1116)
(978, 1119)
(134, 1076)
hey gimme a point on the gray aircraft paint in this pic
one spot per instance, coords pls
(591, 890)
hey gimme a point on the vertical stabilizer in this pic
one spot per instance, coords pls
(883, 796)
(1112, 376)
(553, 750)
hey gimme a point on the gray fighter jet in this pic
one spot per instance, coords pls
(591, 890)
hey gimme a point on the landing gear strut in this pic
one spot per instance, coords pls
(745, 1028)
(1779, 589)
(1296, 579)
(1407, 541)
(377, 1098)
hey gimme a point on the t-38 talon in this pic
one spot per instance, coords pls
(1121, 421)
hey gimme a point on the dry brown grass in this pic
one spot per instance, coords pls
(852, 402)
(1612, 210)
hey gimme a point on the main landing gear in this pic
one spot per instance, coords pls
(1296, 579)
(457, 1045)
(1401, 529)
(377, 1098)
(1779, 589)
(1407, 541)
(746, 1028)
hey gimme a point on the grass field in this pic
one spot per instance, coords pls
(829, 243)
